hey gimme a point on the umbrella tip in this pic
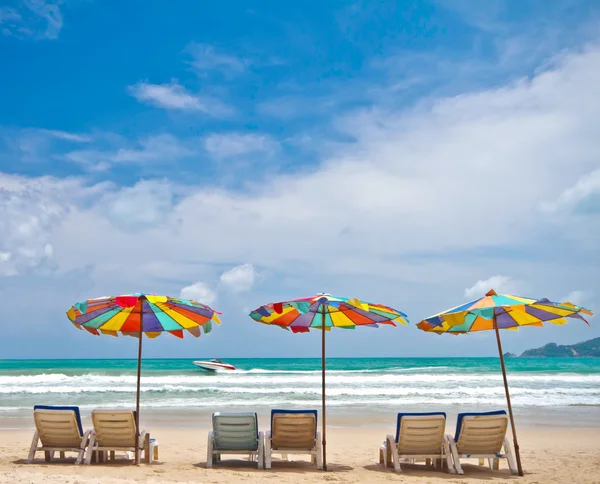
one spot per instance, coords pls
(491, 292)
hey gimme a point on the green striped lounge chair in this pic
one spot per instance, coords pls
(235, 433)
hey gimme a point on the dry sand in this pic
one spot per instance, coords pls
(549, 456)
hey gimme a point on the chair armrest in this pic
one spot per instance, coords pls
(142, 439)
(86, 438)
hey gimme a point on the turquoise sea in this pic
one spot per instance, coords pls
(544, 390)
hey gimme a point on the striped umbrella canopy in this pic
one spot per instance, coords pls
(134, 314)
(501, 311)
(325, 311)
(125, 314)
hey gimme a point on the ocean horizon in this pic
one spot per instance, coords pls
(543, 390)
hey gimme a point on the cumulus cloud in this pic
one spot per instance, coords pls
(30, 210)
(240, 278)
(174, 96)
(147, 204)
(199, 292)
(450, 177)
(500, 283)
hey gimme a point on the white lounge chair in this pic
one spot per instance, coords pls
(419, 436)
(481, 436)
(58, 429)
(114, 430)
(235, 433)
(293, 432)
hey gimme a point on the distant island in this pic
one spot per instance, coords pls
(587, 349)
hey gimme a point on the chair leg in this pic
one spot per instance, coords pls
(90, 449)
(319, 450)
(209, 451)
(448, 456)
(393, 449)
(33, 448)
(268, 450)
(261, 458)
(456, 459)
(512, 465)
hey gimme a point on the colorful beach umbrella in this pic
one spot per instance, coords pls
(501, 311)
(134, 314)
(324, 311)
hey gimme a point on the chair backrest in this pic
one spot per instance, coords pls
(481, 433)
(114, 428)
(420, 433)
(235, 431)
(58, 426)
(293, 429)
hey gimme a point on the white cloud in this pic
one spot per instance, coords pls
(501, 284)
(174, 96)
(577, 297)
(207, 58)
(240, 278)
(30, 210)
(450, 177)
(586, 187)
(236, 144)
(146, 204)
(199, 292)
(40, 19)
(151, 149)
(66, 136)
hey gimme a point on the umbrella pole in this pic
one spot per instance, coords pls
(137, 398)
(510, 412)
(323, 386)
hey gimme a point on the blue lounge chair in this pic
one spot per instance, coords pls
(58, 429)
(235, 433)
(481, 435)
(419, 436)
(293, 432)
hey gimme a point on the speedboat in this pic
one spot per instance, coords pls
(214, 365)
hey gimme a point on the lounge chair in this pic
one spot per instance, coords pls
(293, 432)
(481, 436)
(419, 436)
(58, 429)
(235, 433)
(114, 430)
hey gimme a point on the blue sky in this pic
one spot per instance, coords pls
(410, 153)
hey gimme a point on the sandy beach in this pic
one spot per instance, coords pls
(549, 455)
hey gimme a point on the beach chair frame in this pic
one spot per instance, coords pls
(419, 437)
(482, 436)
(114, 430)
(235, 428)
(294, 432)
(58, 429)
